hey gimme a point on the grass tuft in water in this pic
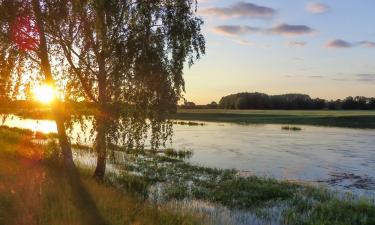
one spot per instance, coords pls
(291, 128)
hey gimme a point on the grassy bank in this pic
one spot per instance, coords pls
(349, 119)
(33, 190)
(335, 118)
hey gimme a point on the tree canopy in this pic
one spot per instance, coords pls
(126, 56)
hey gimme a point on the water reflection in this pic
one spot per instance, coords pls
(44, 126)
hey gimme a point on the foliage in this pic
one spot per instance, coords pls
(292, 101)
(128, 57)
(264, 101)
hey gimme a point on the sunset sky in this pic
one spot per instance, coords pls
(325, 49)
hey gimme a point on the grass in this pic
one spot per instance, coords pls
(292, 128)
(350, 119)
(34, 190)
(181, 154)
(188, 123)
(297, 203)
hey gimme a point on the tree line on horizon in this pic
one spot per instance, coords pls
(258, 100)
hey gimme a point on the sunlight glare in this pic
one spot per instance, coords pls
(44, 93)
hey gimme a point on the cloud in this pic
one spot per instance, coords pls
(283, 29)
(340, 79)
(366, 77)
(297, 44)
(317, 8)
(339, 43)
(244, 42)
(287, 29)
(316, 77)
(233, 30)
(241, 9)
(368, 44)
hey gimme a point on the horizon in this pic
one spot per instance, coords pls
(274, 47)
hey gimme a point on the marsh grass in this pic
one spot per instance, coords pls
(181, 154)
(188, 123)
(338, 118)
(291, 128)
(273, 201)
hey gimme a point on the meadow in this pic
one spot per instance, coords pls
(336, 118)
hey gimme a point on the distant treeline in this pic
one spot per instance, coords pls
(292, 101)
(287, 101)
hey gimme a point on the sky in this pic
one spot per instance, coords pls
(322, 48)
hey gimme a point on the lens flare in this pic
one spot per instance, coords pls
(44, 93)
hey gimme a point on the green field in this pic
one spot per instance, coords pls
(350, 119)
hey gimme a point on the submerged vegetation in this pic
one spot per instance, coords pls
(188, 123)
(292, 128)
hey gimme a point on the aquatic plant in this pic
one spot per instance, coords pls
(292, 128)
(188, 123)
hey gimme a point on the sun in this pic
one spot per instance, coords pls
(44, 93)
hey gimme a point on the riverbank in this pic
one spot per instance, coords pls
(33, 190)
(141, 185)
(347, 119)
(331, 118)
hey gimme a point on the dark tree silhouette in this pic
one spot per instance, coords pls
(292, 101)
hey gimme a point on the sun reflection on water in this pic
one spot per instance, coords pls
(44, 126)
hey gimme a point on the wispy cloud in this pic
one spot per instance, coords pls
(244, 42)
(282, 29)
(234, 30)
(296, 44)
(317, 8)
(287, 29)
(241, 9)
(366, 78)
(368, 44)
(339, 43)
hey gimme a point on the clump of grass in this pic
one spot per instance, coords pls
(318, 206)
(188, 123)
(291, 128)
(181, 154)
